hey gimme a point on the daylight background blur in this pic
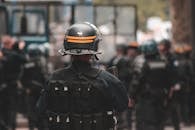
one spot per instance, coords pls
(42, 24)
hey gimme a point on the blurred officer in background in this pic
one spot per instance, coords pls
(121, 63)
(132, 50)
(164, 47)
(33, 80)
(172, 104)
(131, 54)
(81, 97)
(12, 62)
(3, 102)
(185, 77)
(120, 53)
(190, 81)
(148, 88)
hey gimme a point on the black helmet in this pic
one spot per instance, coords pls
(122, 48)
(166, 43)
(34, 51)
(81, 39)
(149, 47)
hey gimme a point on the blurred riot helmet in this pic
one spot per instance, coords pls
(133, 49)
(34, 51)
(133, 45)
(81, 39)
(164, 45)
(149, 48)
(187, 50)
(121, 49)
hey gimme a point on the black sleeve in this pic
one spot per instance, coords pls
(42, 102)
(21, 57)
(117, 91)
(41, 105)
(139, 71)
(120, 97)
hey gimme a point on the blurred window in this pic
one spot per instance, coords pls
(60, 14)
(36, 17)
(35, 23)
(84, 13)
(3, 22)
(105, 19)
(125, 20)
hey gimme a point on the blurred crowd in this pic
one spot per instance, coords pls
(23, 71)
(158, 77)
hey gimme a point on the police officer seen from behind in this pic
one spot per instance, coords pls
(81, 97)
(12, 63)
(33, 79)
(185, 74)
(148, 88)
(172, 104)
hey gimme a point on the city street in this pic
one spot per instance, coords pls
(79, 64)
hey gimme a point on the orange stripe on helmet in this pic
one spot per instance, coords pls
(80, 41)
(80, 38)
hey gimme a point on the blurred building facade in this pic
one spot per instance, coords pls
(181, 20)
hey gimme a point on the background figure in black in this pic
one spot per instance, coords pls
(172, 104)
(3, 101)
(12, 62)
(192, 94)
(18, 48)
(132, 53)
(185, 74)
(149, 87)
(81, 97)
(33, 80)
(121, 62)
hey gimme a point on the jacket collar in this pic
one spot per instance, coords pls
(85, 68)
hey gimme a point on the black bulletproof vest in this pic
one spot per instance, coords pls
(78, 104)
(156, 79)
(156, 73)
(79, 95)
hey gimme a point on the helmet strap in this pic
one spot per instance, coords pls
(94, 58)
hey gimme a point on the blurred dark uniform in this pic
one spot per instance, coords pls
(149, 88)
(189, 81)
(81, 97)
(3, 101)
(33, 80)
(185, 74)
(121, 62)
(172, 105)
(132, 53)
(12, 66)
(192, 94)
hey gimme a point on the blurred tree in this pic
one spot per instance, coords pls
(181, 20)
(146, 8)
